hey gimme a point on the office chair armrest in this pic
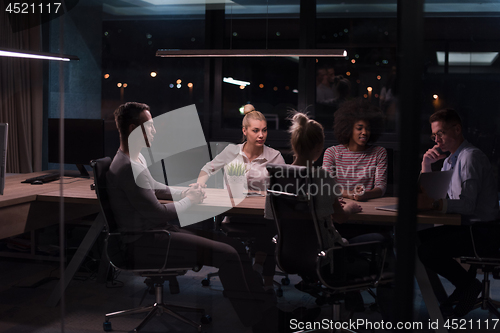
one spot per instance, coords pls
(357, 245)
(131, 233)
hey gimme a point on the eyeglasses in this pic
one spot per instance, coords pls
(439, 134)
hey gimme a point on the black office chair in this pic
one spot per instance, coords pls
(302, 245)
(488, 265)
(115, 253)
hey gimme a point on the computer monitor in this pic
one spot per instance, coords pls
(83, 142)
(3, 155)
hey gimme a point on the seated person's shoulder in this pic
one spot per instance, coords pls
(333, 149)
(119, 165)
(120, 172)
(476, 156)
(271, 152)
(379, 149)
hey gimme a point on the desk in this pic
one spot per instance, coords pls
(26, 208)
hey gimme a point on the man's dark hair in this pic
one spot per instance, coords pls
(128, 114)
(355, 110)
(448, 116)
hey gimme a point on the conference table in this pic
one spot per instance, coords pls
(26, 207)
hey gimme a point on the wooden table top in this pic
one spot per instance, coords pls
(77, 190)
(254, 205)
(74, 189)
(371, 214)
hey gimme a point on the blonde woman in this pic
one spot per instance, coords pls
(255, 155)
(252, 152)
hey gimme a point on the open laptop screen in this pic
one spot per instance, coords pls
(435, 184)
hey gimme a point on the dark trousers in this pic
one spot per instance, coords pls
(190, 248)
(440, 245)
(262, 231)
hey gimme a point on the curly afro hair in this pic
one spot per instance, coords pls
(352, 111)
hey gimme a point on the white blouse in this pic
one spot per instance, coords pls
(257, 175)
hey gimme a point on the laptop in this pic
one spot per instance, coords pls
(435, 185)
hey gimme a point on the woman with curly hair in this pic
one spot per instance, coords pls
(359, 166)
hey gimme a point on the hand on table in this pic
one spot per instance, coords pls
(359, 193)
(195, 193)
(352, 208)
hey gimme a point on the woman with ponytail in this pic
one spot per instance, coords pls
(307, 139)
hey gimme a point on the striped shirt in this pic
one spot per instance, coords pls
(352, 168)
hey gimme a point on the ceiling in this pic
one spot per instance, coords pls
(125, 9)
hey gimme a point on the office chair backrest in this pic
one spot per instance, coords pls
(298, 245)
(101, 167)
(305, 242)
(113, 246)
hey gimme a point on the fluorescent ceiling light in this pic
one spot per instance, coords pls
(36, 55)
(467, 58)
(237, 82)
(186, 2)
(168, 53)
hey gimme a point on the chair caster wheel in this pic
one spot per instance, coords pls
(279, 292)
(107, 326)
(285, 281)
(205, 282)
(206, 319)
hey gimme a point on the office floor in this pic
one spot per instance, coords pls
(22, 309)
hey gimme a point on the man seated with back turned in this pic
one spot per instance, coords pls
(472, 194)
(137, 208)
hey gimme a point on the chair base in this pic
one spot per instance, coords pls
(485, 302)
(159, 308)
(488, 304)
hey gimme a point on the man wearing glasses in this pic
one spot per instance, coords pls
(473, 194)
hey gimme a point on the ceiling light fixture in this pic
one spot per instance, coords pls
(175, 53)
(36, 55)
(467, 58)
(236, 82)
